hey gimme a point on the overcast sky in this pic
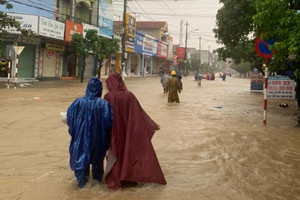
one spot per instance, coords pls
(200, 14)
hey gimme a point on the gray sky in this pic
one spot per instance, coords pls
(200, 14)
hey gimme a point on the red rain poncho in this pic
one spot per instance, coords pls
(131, 157)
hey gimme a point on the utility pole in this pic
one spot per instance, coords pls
(208, 55)
(123, 57)
(199, 54)
(185, 48)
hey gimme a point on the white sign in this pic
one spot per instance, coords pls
(18, 49)
(150, 45)
(27, 22)
(281, 87)
(51, 28)
(87, 27)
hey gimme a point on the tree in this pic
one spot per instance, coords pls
(235, 30)
(92, 44)
(107, 48)
(279, 20)
(243, 67)
(240, 22)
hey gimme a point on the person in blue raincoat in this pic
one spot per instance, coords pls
(90, 120)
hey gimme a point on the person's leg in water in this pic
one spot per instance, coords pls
(98, 171)
(82, 176)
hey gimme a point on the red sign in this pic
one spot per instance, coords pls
(50, 54)
(180, 52)
(162, 50)
(71, 28)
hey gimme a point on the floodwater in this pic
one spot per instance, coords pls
(213, 145)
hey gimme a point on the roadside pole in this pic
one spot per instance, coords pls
(262, 49)
(9, 68)
(18, 50)
(266, 91)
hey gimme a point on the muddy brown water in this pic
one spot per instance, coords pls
(213, 145)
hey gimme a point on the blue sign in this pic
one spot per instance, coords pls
(257, 83)
(138, 42)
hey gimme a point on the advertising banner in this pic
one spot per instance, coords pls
(256, 83)
(138, 42)
(51, 28)
(129, 44)
(87, 27)
(130, 25)
(281, 87)
(180, 52)
(71, 28)
(27, 22)
(149, 45)
(170, 48)
(105, 18)
(162, 50)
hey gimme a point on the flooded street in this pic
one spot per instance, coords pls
(213, 145)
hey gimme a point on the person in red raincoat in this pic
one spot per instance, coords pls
(131, 156)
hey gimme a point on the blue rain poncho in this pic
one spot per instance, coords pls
(90, 120)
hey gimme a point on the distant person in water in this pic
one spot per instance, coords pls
(163, 80)
(224, 76)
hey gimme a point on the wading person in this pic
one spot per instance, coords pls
(163, 80)
(131, 156)
(90, 120)
(173, 87)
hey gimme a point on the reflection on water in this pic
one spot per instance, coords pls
(213, 145)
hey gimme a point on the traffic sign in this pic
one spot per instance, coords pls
(261, 47)
(18, 49)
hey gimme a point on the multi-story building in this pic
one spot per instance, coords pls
(46, 55)
(151, 47)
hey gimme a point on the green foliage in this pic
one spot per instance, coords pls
(235, 30)
(243, 67)
(92, 44)
(240, 22)
(279, 20)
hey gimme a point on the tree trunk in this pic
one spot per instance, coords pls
(82, 68)
(100, 66)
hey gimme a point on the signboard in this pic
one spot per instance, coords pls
(261, 47)
(162, 50)
(71, 28)
(175, 60)
(87, 27)
(27, 22)
(180, 52)
(105, 18)
(55, 47)
(51, 28)
(18, 49)
(281, 87)
(129, 44)
(130, 25)
(149, 45)
(170, 49)
(257, 83)
(138, 42)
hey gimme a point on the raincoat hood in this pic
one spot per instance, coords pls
(93, 88)
(115, 83)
